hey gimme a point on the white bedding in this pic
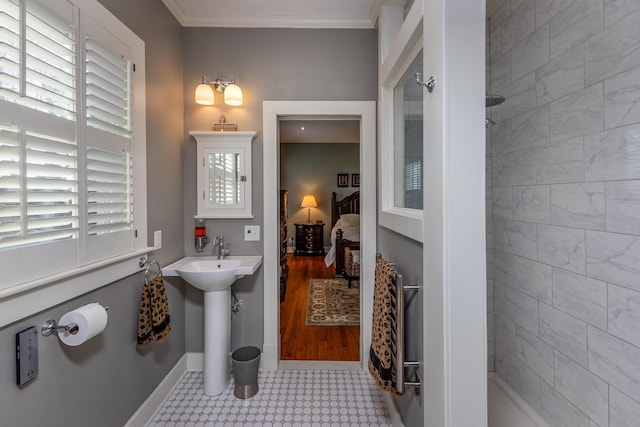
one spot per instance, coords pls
(351, 231)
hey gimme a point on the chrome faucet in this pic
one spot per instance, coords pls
(222, 250)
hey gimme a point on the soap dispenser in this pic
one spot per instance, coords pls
(201, 235)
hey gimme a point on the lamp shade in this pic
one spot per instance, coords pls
(204, 94)
(309, 201)
(233, 95)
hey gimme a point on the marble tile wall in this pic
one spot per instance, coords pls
(563, 207)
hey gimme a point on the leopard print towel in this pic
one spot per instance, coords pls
(153, 317)
(380, 364)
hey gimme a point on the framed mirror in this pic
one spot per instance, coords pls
(224, 174)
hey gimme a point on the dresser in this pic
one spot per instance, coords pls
(284, 267)
(309, 239)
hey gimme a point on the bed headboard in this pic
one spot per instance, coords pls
(350, 204)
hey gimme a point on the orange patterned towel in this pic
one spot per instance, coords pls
(153, 317)
(380, 362)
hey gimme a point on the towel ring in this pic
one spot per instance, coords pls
(146, 271)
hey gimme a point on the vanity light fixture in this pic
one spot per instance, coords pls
(232, 92)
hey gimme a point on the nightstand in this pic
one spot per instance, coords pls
(309, 239)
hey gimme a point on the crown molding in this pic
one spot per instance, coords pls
(188, 18)
(274, 22)
(176, 9)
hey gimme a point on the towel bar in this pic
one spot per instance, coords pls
(397, 335)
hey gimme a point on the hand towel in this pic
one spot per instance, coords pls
(380, 362)
(153, 318)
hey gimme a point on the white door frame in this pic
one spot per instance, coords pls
(365, 111)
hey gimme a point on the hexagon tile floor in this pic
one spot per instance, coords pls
(287, 398)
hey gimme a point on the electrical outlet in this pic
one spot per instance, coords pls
(157, 239)
(26, 355)
(251, 232)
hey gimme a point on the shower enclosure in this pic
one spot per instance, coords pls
(563, 202)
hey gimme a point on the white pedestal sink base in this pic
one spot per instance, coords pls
(215, 277)
(217, 341)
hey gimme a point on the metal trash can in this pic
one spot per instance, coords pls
(244, 364)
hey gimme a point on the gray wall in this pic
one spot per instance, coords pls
(565, 206)
(102, 382)
(406, 254)
(309, 168)
(268, 64)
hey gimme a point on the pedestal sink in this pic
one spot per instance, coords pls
(215, 276)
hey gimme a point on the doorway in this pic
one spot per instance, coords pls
(273, 111)
(314, 153)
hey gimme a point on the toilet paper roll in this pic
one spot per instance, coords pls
(91, 320)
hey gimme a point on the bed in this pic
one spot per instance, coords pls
(345, 229)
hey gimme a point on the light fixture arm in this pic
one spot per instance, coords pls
(218, 84)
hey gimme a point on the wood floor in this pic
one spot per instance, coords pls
(302, 342)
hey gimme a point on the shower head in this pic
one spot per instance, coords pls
(488, 122)
(493, 100)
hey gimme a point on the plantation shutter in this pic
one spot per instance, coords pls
(66, 136)
(413, 175)
(108, 102)
(38, 172)
(38, 71)
(109, 204)
(39, 176)
(109, 194)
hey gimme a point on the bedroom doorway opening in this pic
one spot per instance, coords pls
(319, 299)
(275, 113)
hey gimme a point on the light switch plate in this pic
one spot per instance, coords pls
(251, 232)
(157, 239)
(26, 355)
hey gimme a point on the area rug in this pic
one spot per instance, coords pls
(332, 303)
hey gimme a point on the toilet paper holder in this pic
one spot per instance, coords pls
(51, 326)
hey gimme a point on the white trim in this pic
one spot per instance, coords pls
(229, 20)
(281, 22)
(150, 406)
(454, 265)
(29, 298)
(365, 111)
(404, 48)
(392, 409)
(176, 9)
(324, 365)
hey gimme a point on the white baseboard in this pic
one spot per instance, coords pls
(513, 410)
(329, 365)
(188, 362)
(392, 409)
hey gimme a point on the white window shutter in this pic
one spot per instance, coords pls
(108, 90)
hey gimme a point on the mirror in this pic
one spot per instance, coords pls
(225, 178)
(224, 168)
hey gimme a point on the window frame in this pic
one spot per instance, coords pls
(406, 46)
(25, 298)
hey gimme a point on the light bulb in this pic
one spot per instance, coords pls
(204, 94)
(233, 95)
